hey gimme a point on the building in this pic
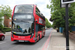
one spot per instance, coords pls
(7, 22)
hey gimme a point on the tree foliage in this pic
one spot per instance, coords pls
(6, 10)
(48, 24)
(58, 14)
(1, 18)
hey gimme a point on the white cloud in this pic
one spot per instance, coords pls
(41, 4)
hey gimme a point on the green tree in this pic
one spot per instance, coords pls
(1, 27)
(48, 24)
(1, 18)
(58, 14)
(6, 10)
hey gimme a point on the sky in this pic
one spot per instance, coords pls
(41, 4)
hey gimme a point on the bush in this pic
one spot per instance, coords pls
(6, 29)
(1, 27)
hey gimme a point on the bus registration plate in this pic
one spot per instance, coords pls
(21, 40)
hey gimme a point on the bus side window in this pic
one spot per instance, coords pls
(37, 28)
(41, 27)
(37, 11)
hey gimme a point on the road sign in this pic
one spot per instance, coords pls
(67, 1)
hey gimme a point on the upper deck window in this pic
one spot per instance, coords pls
(24, 9)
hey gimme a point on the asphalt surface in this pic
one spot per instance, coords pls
(7, 44)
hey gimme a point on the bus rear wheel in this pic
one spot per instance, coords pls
(43, 35)
(38, 37)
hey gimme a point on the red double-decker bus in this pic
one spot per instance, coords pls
(28, 23)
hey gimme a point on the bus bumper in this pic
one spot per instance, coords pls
(32, 40)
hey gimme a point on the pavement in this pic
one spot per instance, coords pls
(7, 33)
(58, 41)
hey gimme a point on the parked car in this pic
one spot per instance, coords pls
(2, 36)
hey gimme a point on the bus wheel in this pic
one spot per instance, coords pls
(43, 34)
(35, 40)
(39, 37)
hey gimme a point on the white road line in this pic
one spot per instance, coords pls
(2, 42)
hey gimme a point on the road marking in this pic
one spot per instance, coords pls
(47, 42)
(48, 47)
(2, 42)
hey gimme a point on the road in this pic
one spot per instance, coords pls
(40, 45)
